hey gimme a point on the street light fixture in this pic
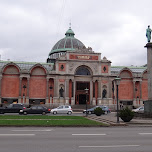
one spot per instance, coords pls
(117, 80)
(86, 91)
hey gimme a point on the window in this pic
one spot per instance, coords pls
(33, 108)
(39, 107)
(61, 107)
(82, 71)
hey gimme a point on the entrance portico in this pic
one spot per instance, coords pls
(80, 92)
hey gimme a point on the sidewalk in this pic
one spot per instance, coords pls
(111, 119)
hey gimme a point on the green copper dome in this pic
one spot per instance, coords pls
(68, 43)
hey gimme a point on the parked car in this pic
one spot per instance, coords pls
(139, 110)
(62, 109)
(37, 109)
(104, 108)
(91, 110)
(12, 108)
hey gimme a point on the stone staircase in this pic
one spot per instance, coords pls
(106, 121)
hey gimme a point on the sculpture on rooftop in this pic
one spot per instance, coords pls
(148, 33)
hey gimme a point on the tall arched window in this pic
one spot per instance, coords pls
(82, 71)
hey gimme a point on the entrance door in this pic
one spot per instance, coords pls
(81, 93)
(82, 99)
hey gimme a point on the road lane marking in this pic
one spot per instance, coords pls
(145, 133)
(110, 146)
(88, 134)
(17, 134)
(31, 130)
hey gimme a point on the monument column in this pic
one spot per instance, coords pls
(149, 69)
(148, 103)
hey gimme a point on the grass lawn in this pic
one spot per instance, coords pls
(39, 120)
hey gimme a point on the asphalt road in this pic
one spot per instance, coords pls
(46, 139)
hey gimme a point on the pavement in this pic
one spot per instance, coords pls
(111, 119)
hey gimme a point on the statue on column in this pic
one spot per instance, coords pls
(148, 33)
(61, 92)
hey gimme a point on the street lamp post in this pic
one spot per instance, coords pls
(117, 80)
(86, 91)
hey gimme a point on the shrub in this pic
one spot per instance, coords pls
(98, 111)
(126, 114)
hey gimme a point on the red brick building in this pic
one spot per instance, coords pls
(70, 68)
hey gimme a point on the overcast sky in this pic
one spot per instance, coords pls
(115, 28)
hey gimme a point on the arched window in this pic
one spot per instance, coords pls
(82, 71)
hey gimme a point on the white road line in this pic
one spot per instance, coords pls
(17, 134)
(145, 133)
(112, 146)
(88, 134)
(32, 130)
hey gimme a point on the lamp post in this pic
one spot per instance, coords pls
(86, 91)
(117, 80)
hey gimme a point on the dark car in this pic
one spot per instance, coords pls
(104, 108)
(37, 109)
(12, 108)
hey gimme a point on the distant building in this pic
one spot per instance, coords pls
(70, 69)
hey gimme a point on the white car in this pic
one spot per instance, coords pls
(62, 109)
(139, 110)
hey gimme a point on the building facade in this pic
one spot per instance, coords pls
(70, 69)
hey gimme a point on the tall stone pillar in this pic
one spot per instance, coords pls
(148, 103)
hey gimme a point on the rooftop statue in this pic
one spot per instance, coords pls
(148, 33)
